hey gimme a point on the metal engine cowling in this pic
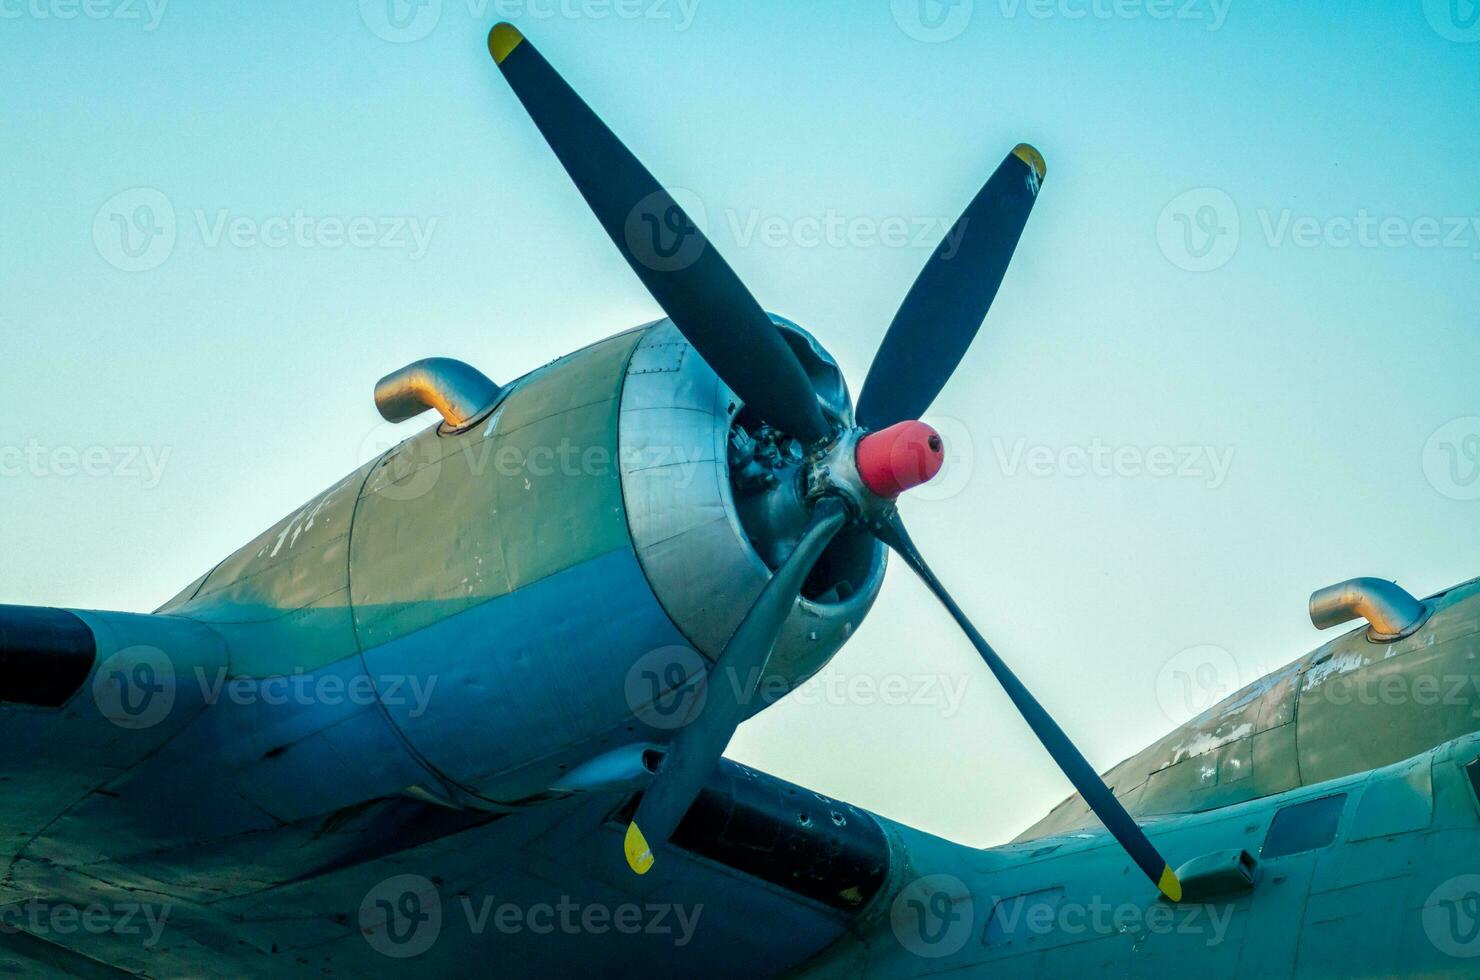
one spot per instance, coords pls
(701, 525)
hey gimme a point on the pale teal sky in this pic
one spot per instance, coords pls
(1316, 357)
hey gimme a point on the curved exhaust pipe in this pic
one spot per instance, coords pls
(1388, 609)
(457, 390)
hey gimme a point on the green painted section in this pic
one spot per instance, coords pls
(440, 524)
(281, 601)
(447, 522)
(1346, 707)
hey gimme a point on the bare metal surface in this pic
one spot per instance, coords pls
(457, 390)
(675, 420)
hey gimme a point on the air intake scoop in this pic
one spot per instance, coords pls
(458, 391)
(1391, 612)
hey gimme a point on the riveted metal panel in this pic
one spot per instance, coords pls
(448, 521)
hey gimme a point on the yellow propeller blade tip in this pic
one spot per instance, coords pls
(639, 854)
(1170, 885)
(1032, 158)
(502, 41)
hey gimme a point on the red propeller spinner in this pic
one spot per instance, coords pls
(902, 456)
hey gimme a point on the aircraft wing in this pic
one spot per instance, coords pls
(764, 874)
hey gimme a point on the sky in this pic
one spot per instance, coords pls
(1234, 360)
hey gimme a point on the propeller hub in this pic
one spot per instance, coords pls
(869, 470)
(902, 456)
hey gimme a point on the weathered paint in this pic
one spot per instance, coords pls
(1346, 707)
(281, 601)
(441, 522)
(1369, 904)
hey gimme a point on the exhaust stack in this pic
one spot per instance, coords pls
(1389, 610)
(457, 390)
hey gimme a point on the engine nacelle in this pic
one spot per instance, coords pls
(713, 502)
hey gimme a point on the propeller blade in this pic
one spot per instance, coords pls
(945, 307)
(696, 749)
(680, 268)
(1088, 782)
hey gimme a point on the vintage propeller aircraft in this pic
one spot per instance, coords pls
(464, 711)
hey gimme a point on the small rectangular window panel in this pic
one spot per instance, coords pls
(1303, 827)
(1473, 771)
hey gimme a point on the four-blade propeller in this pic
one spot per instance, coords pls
(714, 311)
